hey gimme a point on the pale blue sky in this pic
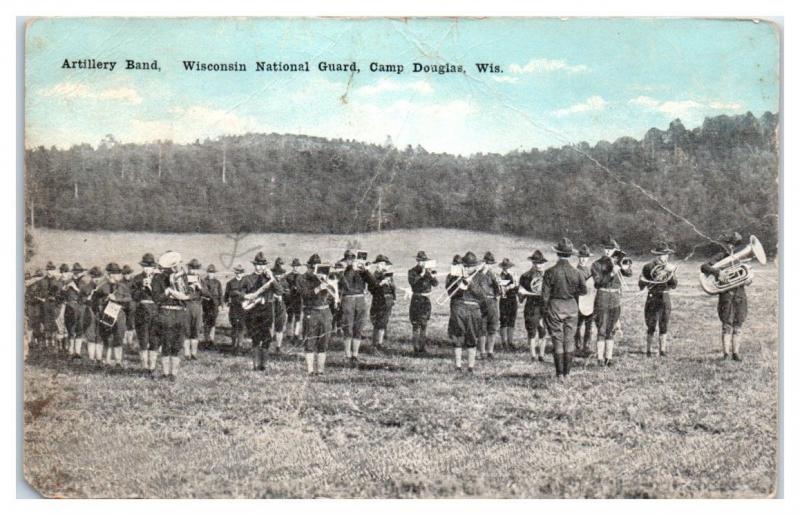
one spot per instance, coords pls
(563, 81)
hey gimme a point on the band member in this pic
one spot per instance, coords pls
(316, 291)
(260, 289)
(657, 307)
(732, 304)
(467, 311)
(234, 295)
(211, 302)
(194, 310)
(584, 321)
(487, 280)
(112, 331)
(530, 289)
(130, 309)
(421, 278)
(607, 273)
(352, 285)
(48, 293)
(455, 295)
(383, 298)
(63, 281)
(336, 299)
(561, 286)
(294, 302)
(94, 345)
(508, 304)
(279, 304)
(73, 310)
(169, 293)
(146, 313)
(33, 309)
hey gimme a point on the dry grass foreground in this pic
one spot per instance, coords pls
(690, 425)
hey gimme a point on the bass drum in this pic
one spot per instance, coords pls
(586, 302)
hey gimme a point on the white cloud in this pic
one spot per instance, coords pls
(593, 103)
(506, 79)
(684, 109)
(547, 65)
(389, 85)
(187, 124)
(75, 90)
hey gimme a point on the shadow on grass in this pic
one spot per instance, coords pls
(62, 363)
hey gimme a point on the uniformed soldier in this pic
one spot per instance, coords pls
(607, 273)
(317, 318)
(732, 304)
(335, 301)
(383, 298)
(294, 302)
(73, 312)
(352, 287)
(487, 280)
(94, 345)
(586, 322)
(421, 279)
(211, 303)
(112, 333)
(530, 289)
(49, 291)
(194, 310)
(33, 309)
(467, 311)
(508, 304)
(146, 313)
(130, 309)
(561, 286)
(455, 295)
(234, 295)
(657, 307)
(279, 304)
(63, 280)
(169, 293)
(260, 287)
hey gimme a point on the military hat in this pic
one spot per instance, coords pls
(469, 259)
(610, 243)
(584, 251)
(95, 271)
(50, 266)
(382, 259)
(457, 259)
(732, 237)
(113, 268)
(38, 273)
(169, 259)
(564, 247)
(239, 269)
(662, 248)
(296, 262)
(260, 259)
(278, 261)
(194, 264)
(422, 256)
(76, 267)
(126, 269)
(278, 269)
(63, 268)
(348, 254)
(506, 263)
(537, 257)
(148, 260)
(314, 260)
(488, 258)
(211, 269)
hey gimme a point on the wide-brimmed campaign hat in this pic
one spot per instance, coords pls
(148, 260)
(169, 259)
(732, 237)
(564, 246)
(662, 248)
(296, 262)
(584, 251)
(38, 273)
(349, 254)
(113, 268)
(194, 264)
(63, 268)
(314, 260)
(506, 263)
(95, 271)
(50, 266)
(382, 259)
(422, 256)
(126, 269)
(76, 267)
(537, 257)
(260, 259)
(469, 259)
(609, 243)
(278, 269)
(211, 269)
(457, 259)
(239, 269)
(488, 258)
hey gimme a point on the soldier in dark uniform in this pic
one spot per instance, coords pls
(279, 304)
(94, 345)
(467, 311)
(114, 289)
(561, 286)
(194, 310)
(352, 286)
(211, 302)
(487, 280)
(234, 295)
(49, 291)
(260, 287)
(63, 281)
(294, 302)
(584, 321)
(73, 312)
(130, 309)
(508, 305)
(607, 273)
(657, 307)
(454, 294)
(383, 298)
(169, 293)
(335, 303)
(33, 309)
(421, 279)
(530, 289)
(317, 318)
(732, 304)
(146, 313)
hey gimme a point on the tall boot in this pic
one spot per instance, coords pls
(558, 359)
(166, 366)
(321, 363)
(650, 340)
(78, 347)
(490, 339)
(144, 357)
(278, 342)
(415, 338)
(98, 353)
(348, 348)
(422, 340)
(195, 344)
(609, 352)
(356, 346)
(118, 355)
(256, 353)
(587, 337)
(458, 354)
(212, 334)
(568, 362)
(601, 350)
(662, 344)
(153, 358)
(262, 354)
(735, 345)
(726, 345)
(310, 363)
(532, 343)
(187, 349)
(482, 346)
(471, 352)
(542, 348)
(175, 362)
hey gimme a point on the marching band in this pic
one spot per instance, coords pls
(169, 307)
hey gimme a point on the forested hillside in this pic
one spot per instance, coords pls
(723, 174)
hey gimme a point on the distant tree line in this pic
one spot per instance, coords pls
(723, 174)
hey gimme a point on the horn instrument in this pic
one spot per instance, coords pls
(733, 272)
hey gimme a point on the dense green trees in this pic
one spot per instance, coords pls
(721, 175)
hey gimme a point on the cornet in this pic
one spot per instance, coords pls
(733, 272)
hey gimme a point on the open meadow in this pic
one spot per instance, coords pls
(689, 425)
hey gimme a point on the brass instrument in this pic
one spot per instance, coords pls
(178, 282)
(662, 273)
(733, 270)
(457, 285)
(257, 296)
(621, 258)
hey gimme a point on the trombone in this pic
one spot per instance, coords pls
(451, 290)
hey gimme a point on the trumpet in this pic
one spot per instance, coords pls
(733, 272)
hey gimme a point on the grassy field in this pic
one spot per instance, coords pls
(690, 425)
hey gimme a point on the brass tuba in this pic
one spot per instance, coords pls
(733, 271)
